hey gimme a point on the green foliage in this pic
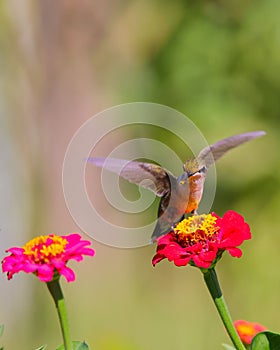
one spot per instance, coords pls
(218, 64)
(266, 341)
(77, 345)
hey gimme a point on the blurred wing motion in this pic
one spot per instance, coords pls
(212, 153)
(180, 195)
(147, 175)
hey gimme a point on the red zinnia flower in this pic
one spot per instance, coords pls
(247, 330)
(200, 240)
(47, 256)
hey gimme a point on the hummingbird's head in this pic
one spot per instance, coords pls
(193, 166)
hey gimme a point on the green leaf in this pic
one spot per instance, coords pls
(76, 345)
(1, 329)
(260, 342)
(80, 346)
(228, 347)
(266, 341)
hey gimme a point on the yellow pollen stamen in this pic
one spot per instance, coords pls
(197, 228)
(42, 248)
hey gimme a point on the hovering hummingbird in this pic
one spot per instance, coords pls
(179, 195)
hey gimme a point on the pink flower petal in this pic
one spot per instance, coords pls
(47, 255)
(67, 273)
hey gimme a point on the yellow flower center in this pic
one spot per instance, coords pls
(41, 249)
(196, 228)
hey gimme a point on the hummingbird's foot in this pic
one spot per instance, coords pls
(194, 212)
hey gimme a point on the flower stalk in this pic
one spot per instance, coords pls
(57, 295)
(211, 280)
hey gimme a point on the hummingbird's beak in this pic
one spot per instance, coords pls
(200, 171)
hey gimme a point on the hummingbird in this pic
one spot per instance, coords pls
(178, 195)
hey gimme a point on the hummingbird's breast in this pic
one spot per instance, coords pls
(196, 184)
(184, 197)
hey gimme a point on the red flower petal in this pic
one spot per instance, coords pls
(235, 252)
(201, 243)
(233, 229)
(247, 330)
(200, 262)
(182, 261)
(157, 258)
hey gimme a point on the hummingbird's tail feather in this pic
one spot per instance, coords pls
(156, 233)
(162, 229)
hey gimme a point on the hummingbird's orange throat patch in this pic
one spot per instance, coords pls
(196, 229)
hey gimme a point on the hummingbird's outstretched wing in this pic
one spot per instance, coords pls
(147, 175)
(212, 153)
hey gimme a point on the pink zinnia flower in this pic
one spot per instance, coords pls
(200, 240)
(47, 256)
(247, 330)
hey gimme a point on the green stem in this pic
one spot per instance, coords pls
(212, 283)
(56, 292)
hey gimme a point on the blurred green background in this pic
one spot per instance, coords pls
(61, 62)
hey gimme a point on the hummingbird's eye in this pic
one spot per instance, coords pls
(202, 170)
